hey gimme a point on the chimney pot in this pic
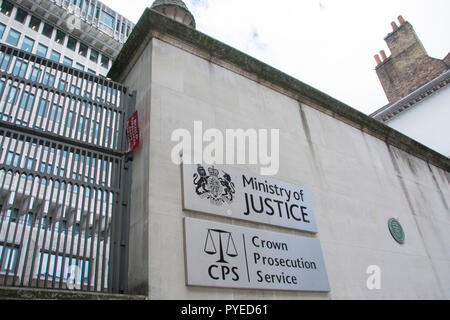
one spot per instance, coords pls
(383, 55)
(394, 25)
(401, 20)
(377, 59)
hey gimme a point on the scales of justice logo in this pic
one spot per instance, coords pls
(211, 248)
(220, 243)
(218, 189)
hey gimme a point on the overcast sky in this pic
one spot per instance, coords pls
(328, 44)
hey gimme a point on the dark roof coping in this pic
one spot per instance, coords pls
(156, 22)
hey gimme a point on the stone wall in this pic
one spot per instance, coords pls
(357, 183)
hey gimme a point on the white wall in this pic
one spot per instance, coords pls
(428, 122)
(356, 181)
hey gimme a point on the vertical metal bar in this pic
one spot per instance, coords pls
(63, 211)
(83, 198)
(49, 182)
(9, 138)
(99, 231)
(16, 191)
(77, 207)
(107, 235)
(17, 222)
(30, 235)
(41, 146)
(14, 181)
(35, 215)
(88, 216)
(57, 222)
(27, 222)
(94, 235)
(111, 234)
(70, 154)
(50, 220)
(25, 204)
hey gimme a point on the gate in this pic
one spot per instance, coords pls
(63, 176)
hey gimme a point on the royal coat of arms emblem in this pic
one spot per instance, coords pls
(218, 189)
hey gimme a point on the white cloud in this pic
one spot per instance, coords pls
(327, 44)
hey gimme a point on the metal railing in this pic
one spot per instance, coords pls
(63, 176)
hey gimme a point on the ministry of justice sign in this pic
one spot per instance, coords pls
(222, 255)
(231, 192)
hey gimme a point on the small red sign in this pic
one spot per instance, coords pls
(133, 132)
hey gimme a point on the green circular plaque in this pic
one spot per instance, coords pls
(396, 230)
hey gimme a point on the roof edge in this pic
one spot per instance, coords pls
(152, 20)
(390, 111)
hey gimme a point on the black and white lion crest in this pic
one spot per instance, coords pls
(213, 187)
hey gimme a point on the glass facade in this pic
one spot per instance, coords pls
(13, 37)
(85, 54)
(41, 50)
(27, 44)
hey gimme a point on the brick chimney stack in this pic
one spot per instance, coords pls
(409, 66)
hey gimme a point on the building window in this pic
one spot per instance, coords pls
(55, 56)
(27, 101)
(21, 15)
(34, 23)
(62, 85)
(91, 9)
(58, 115)
(91, 71)
(12, 159)
(13, 37)
(82, 50)
(53, 265)
(2, 30)
(47, 30)
(42, 107)
(71, 43)
(27, 44)
(49, 79)
(12, 215)
(29, 163)
(69, 120)
(41, 50)
(12, 94)
(85, 6)
(94, 56)
(79, 66)
(107, 19)
(6, 7)
(60, 36)
(46, 223)
(67, 62)
(104, 62)
(35, 74)
(10, 255)
(20, 68)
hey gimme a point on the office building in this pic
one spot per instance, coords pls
(83, 34)
(61, 144)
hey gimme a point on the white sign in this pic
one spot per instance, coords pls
(222, 255)
(226, 191)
